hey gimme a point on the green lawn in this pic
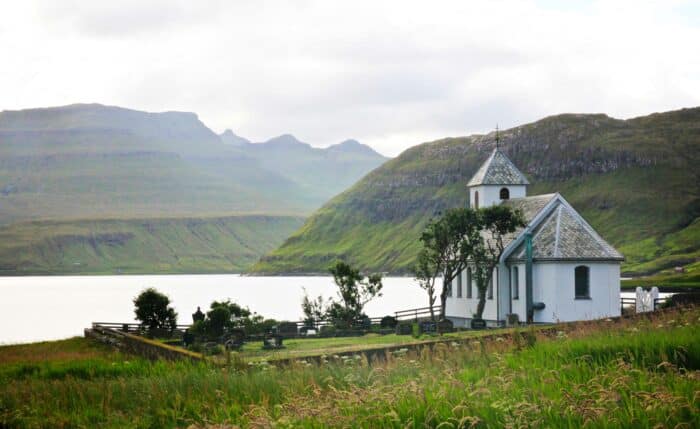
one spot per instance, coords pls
(295, 348)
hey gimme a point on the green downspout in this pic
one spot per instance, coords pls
(528, 277)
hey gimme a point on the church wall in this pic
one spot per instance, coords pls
(490, 194)
(516, 306)
(461, 310)
(554, 284)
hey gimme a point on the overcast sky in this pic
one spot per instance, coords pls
(390, 74)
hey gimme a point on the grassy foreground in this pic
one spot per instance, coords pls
(640, 373)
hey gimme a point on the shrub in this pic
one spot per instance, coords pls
(154, 311)
(388, 322)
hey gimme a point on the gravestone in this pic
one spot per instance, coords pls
(272, 342)
(428, 327)
(445, 325)
(404, 329)
(645, 300)
(478, 324)
(287, 329)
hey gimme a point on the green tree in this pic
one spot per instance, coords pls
(314, 309)
(426, 272)
(153, 309)
(354, 291)
(445, 243)
(485, 250)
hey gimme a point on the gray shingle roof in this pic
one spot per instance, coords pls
(563, 234)
(498, 170)
(529, 207)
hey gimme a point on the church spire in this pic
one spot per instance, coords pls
(497, 137)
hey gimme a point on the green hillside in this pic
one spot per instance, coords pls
(153, 245)
(66, 172)
(636, 181)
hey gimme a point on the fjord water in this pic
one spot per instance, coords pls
(54, 307)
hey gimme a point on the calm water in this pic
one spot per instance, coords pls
(47, 308)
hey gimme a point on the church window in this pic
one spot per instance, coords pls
(505, 193)
(516, 283)
(491, 285)
(469, 283)
(459, 285)
(476, 199)
(582, 282)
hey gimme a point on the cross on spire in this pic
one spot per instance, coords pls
(497, 137)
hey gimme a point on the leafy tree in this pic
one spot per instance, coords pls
(354, 291)
(426, 272)
(234, 309)
(153, 309)
(314, 309)
(485, 250)
(218, 321)
(445, 244)
(222, 317)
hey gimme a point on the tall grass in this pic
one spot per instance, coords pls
(641, 373)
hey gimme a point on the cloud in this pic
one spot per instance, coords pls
(388, 73)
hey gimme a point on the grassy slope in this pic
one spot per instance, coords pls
(635, 181)
(639, 373)
(160, 245)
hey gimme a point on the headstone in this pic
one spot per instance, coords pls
(645, 300)
(404, 329)
(478, 324)
(388, 322)
(273, 342)
(197, 316)
(428, 327)
(445, 325)
(287, 329)
(513, 319)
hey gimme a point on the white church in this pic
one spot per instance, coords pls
(555, 269)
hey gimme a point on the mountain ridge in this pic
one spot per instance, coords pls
(633, 180)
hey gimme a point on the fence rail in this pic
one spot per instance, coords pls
(415, 313)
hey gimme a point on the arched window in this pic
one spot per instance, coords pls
(505, 193)
(459, 285)
(515, 282)
(476, 199)
(494, 278)
(469, 282)
(582, 282)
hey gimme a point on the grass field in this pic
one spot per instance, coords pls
(299, 348)
(641, 373)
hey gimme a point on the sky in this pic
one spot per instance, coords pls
(391, 74)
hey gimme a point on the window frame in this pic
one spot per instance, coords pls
(587, 278)
(507, 193)
(469, 282)
(459, 285)
(515, 283)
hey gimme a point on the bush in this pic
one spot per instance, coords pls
(388, 322)
(154, 311)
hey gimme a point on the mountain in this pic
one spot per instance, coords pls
(319, 173)
(229, 137)
(90, 160)
(636, 181)
(88, 163)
